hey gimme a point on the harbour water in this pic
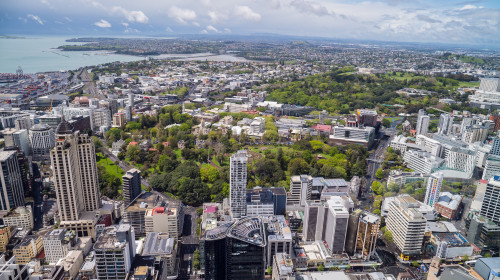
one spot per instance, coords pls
(41, 54)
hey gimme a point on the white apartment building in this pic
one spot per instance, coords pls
(422, 162)
(164, 219)
(461, 159)
(423, 121)
(238, 184)
(433, 190)
(432, 146)
(474, 133)
(300, 189)
(399, 143)
(491, 202)
(492, 167)
(406, 224)
(57, 243)
(20, 217)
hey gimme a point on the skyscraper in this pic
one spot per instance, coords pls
(491, 202)
(131, 185)
(12, 192)
(366, 237)
(433, 189)
(422, 122)
(75, 173)
(238, 184)
(445, 123)
(495, 147)
(113, 253)
(42, 140)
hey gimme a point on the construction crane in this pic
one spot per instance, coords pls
(50, 108)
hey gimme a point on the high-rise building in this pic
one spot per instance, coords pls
(12, 192)
(495, 147)
(492, 167)
(75, 173)
(300, 189)
(326, 221)
(19, 139)
(423, 121)
(165, 219)
(235, 250)
(119, 119)
(131, 185)
(407, 225)
(43, 139)
(491, 202)
(366, 236)
(445, 123)
(113, 254)
(433, 189)
(20, 217)
(238, 184)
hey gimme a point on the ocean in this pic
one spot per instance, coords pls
(40, 54)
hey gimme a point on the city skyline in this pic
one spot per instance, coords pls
(465, 22)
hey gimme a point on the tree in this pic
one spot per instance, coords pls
(196, 260)
(388, 236)
(269, 270)
(321, 267)
(487, 255)
(377, 187)
(298, 166)
(209, 173)
(465, 258)
(269, 170)
(386, 122)
(415, 263)
(380, 174)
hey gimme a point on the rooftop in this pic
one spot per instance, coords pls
(158, 244)
(146, 200)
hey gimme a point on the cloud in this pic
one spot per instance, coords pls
(468, 7)
(102, 24)
(227, 30)
(23, 19)
(35, 18)
(168, 29)
(427, 19)
(48, 4)
(216, 17)
(181, 15)
(311, 7)
(68, 19)
(211, 28)
(247, 13)
(132, 16)
(124, 24)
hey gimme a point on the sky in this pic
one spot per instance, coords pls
(473, 22)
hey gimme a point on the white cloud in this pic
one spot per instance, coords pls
(125, 24)
(204, 31)
(68, 19)
(35, 18)
(247, 13)
(23, 19)
(168, 29)
(181, 15)
(195, 23)
(468, 7)
(212, 28)
(132, 16)
(227, 30)
(216, 17)
(47, 3)
(102, 24)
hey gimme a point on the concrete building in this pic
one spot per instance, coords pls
(135, 212)
(17, 138)
(165, 219)
(433, 189)
(42, 139)
(495, 147)
(423, 121)
(366, 235)
(448, 205)
(71, 264)
(401, 178)
(451, 245)
(406, 224)
(481, 231)
(422, 162)
(11, 270)
(279, 237)
(491, 202)
(20, 217)
(163, 248)
(342, 135)
(12, 192)
(300, 189)
(445, 123)
(57, 243)
(119, 120)
(492, 167)
(114, 254)
(29, 248)
(238, 183)
(4, 237)
(266, 201)
(461, 159)
(131, 185)
(430, 145)
(283, 267)
(326, 221)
